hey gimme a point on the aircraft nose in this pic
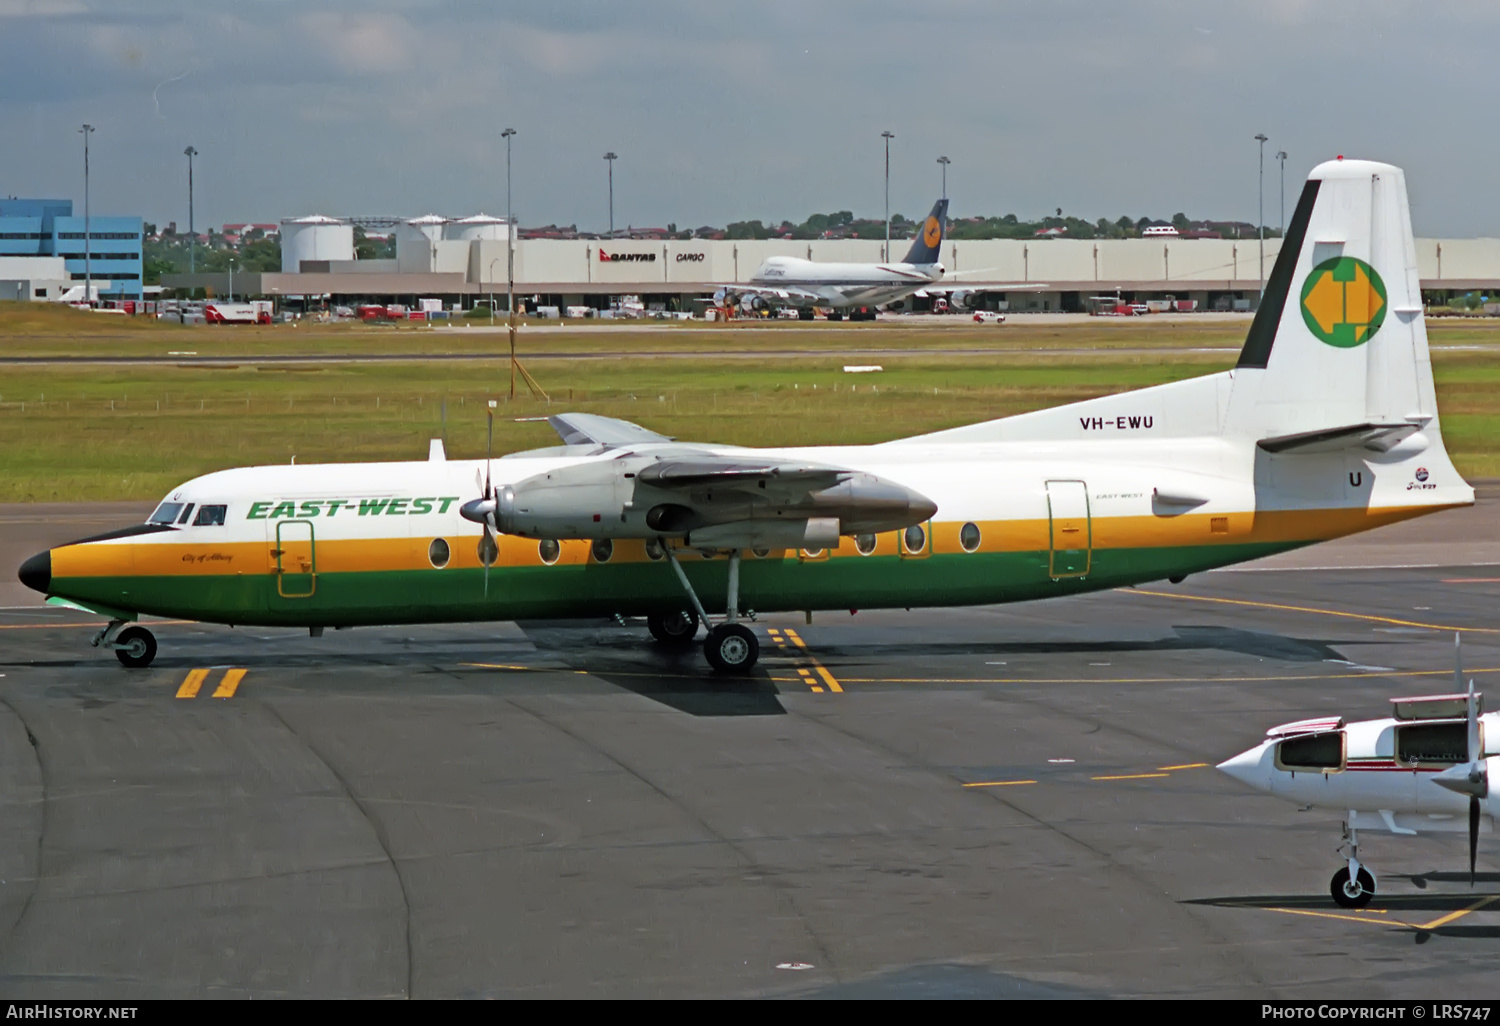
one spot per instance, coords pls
(36, 572)
(1248, 768)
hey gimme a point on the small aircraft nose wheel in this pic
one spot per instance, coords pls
(673, 630)
(135, 647)
(1352, 894)
(731, 648)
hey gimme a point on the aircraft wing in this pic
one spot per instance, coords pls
(792, 296)
(780, 477)
(592, 429)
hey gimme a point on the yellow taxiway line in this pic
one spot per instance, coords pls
(999, 783)
(193, 682)
(230, 682)
(1307, 609)
(1451, 916)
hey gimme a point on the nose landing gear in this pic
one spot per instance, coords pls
(135, 646)
(1354, 885)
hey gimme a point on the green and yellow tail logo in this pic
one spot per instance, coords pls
(1343, 302)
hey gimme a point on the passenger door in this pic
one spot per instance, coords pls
(294, 562)
(1071, 530)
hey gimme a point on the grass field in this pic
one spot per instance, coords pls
(86, 432)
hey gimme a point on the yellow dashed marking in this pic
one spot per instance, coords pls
(192, 683)
(1190, 765)
(1132, 776)
(231, 681)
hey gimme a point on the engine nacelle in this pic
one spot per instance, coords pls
(961, 298)
(606, 499)
(753, 302)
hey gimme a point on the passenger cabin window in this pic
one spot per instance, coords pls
(1315, 752)
(1444, 744)
(211, 516)
(166, 513)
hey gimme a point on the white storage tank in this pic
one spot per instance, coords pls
(416, 243)
(314, 238)
(480, 226)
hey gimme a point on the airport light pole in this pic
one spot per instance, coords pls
(231, 279)
(945, 162)
(611, 157)
(1260, 227)
(510, 258)
(1281, 156)
(190, 153)
(887, 136)
(88, 261)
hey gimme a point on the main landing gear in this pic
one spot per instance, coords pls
(1354, 885)
(674, 630)
(730, 647)
(134, 646)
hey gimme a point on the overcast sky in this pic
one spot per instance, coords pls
(727, 111)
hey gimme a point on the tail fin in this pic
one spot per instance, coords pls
(1339, 341)
(930, 239)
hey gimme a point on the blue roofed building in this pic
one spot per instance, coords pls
(111, 256)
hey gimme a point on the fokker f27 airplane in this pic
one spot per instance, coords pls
(1327, 425)
(839, 288)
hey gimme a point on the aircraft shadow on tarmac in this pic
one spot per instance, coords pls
(677, 679)
(1188, 638)
(1437, 903)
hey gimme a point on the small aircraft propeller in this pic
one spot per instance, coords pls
(482, 510)
(1473, 777)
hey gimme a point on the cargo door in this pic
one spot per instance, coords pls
(294, 561)
(1071, 531)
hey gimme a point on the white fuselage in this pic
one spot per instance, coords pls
(842, 285)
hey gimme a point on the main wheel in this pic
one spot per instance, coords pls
(731, 648)
(1352, 895)
(135, 647)
(674, 630)
(805, 314)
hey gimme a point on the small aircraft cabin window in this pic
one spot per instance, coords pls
(187, 511)
(210, 516)
(968, 537)
(603, 548)
(437, 553)
(914, 538)
(865, 543)
(549, 550)
(1316, 752)
(1429, 743)
(760, 553)
(489, 551)
(166, 513)
(653, 549)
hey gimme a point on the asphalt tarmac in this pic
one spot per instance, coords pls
(1002, 801)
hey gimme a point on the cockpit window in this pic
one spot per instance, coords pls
(166, 513)
(187, 511)
(210, 516)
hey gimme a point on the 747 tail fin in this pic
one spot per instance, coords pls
(930, 239)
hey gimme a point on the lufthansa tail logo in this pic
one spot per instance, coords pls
(1343, 302)
(932, 232)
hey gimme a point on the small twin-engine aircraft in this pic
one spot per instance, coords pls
(1327, 425)
(1424, 769)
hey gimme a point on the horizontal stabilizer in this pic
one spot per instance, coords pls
(1374, 437)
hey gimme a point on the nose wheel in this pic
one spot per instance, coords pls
(135, 647)
(1354, 885)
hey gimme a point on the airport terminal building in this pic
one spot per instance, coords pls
(464, 263)
(44, 252)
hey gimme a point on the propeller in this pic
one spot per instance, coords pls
(1473, 777)
(482, 510)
